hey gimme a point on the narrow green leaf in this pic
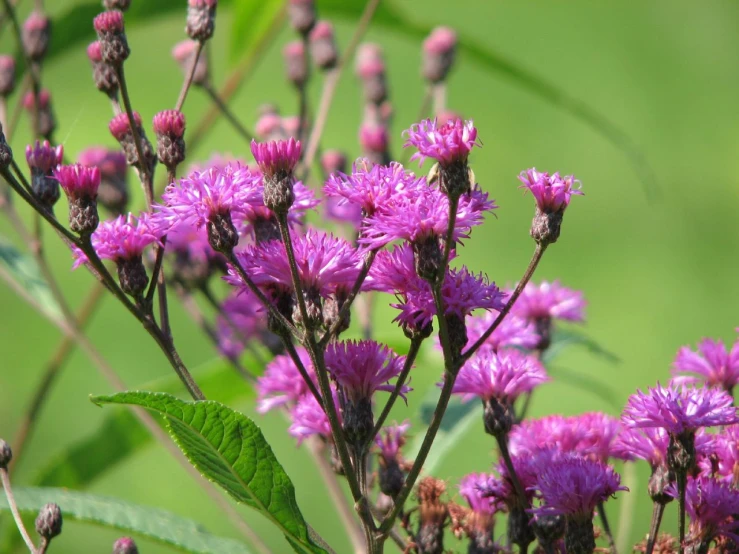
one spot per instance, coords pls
(230, 450)
(154, 523)
(25, 271)
(564, 338)
(250, 21)
(122, 435)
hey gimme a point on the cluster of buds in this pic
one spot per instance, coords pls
(120, 127)
(111, 33)
(103, 74)
(169, 126)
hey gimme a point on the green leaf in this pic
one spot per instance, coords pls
(153, 523)
(230, 450)
(24, 270)
(250, 21)
(122, 435)
(564, 338)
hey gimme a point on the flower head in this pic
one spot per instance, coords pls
(550, 301)
(391, 439)
(120, 126)
(679, 410)
(503, 375)
(242, 320)
(77, 180)
(472, 487)
(309, 419)
(169, 122)
(122, 238)
(552, 192)
(446, 143)
(512, 331)
(712, 506)
(43, 157)
(282, 383)
(276, 156)
(711, 364)
(573, 486)
(112, 163)
(108, 22)
(363, 367)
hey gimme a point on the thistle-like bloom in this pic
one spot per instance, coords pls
(552, 192)
(282, 384)
(124, 238)
(242, 320)
(649, 445)
(472, 487)
(391, 439)
(325, 263)
(309, 419)
(447, 144)
(43, 157)
(500, 487)
(573, 486)
(679, 410)
(712, 506)
(363, 367)
(503, 375)
(112, 163)
(711, 364)
(78, 181)
(720, 458)
(550, 301)
(512, 331)
(278, 156)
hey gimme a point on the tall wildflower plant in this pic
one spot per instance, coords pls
(242, 235)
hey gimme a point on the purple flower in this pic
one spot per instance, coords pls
(78, 181)
(712, 506)
(573, 486)
(243, 320)
(325, 264)
(552, 192)
(550, 301)
(420, 213)
(472, 487)
(501, 487)
(713, 364)
(446, 143)
(191, 243)
(679, 410)
(276, 156)
(362, 367)
(309, 419)
(503, 375)
(720, 458)
(112, 163)
(512, 331)
(391, 439)
(43, 157)
(643, 444)
(283, 385)
(123, 238)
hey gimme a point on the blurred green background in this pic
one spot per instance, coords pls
(658, 271)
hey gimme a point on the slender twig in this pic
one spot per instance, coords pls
(10, 14)
(606, 527)
(410, 358)
(5, 478)
(303, 92)
(295, 357)
(330, 84)
(438, 91)
(188, 79)
(682, 478)
(658, 509)
(228, 114)
(535, 259)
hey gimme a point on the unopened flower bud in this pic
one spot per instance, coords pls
(371, 70)
(439, 50)
(277, 161)
(302, 15)
(121, 5)
(548, 528)
(184, 54)
(7, 75)
(103, 74)
(323, 46)
(6, 454)
(125, 545)
(296, 65)
(112, 36)
(357, 421)
(520, 532)
(42, 159)
(222, 234)
(457, 333)
(120, 128)
(132, 275)
(6, 153)
(36, 34)
(498, 417)
(313, 308)
(579, 535)
(169, 126)
(201, 19)
(374, 140)
(659, 481)
(49, 521)
(46, 122)
(428, 258)
(333, 161)
(681, 457)
(80, 184)
(414, 332)
(269, 127)
(284, 305)
(113, 190)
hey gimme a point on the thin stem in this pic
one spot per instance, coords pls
(371, 539)
(303, 92)
(512, 475)
(439, 95)
(43, 545)
(188, 80)
(10, 13)
(330, 83)
(535, 259)
(295, 357)
(658, 510)
(14, 509)
(606, 527)
(228, 114)
(682, 478)
(410, 358)
(294, 273)
(422, 111)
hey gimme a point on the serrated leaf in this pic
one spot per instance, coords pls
(230, 450)
(154, 523)
(122, 435)
(23, 269)
(564, 338)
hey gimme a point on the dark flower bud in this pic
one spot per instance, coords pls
(184, 54)
(266, 229)
(579, 535)
(549, 528)
(295, 63)
(132, 275)
(455, 178)
(660, 479)
(201, 19)
(36, 33)
(414, 332)
(277, 161)
(546, 226)
(544, 331)
(222, 234)
(439, 50)
(428, 258)
(519, 529)
(113, 190)
(125, 545)
(42, 159)
(313, 308)
(681, 456)
(457, 333)
(357, 421)
(333, 161)
(302, 15)
(498, 417)
(7, 76)
(323, 46)
(103, 74)
(121, 5)
(46, 122)
(6, 153)
(120, 128)
(283, 302)
(6, 454)
(49, 521)
(371, 70)
(374, 140)
(331, 310)
(169, 126)
(433, 515)
(112, 36)
(80, 184)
